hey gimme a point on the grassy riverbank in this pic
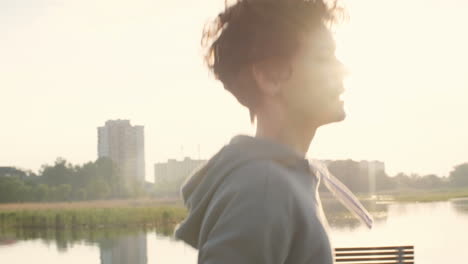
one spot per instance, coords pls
(92, 215)
(162, 214)
(412, 195)
(409, 195)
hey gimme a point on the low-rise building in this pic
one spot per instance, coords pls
(169, 176)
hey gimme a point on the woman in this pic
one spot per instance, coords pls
(255, 201)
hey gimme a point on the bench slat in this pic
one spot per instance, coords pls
(374, 248)
(405, 262)
(392, 253)
(374, 259)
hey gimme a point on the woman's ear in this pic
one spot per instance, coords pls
(270, 76)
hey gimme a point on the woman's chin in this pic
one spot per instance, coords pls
(336, 116)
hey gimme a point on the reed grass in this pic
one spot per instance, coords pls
(91, 215)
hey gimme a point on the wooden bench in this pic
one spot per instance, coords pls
(375, 255)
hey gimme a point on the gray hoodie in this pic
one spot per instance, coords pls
(256, 202)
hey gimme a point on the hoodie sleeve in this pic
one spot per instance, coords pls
(254, 223)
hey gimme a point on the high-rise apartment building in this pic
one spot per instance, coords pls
(124, 144)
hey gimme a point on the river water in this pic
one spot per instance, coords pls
(438, 231)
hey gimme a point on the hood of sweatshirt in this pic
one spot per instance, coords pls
(198, 190)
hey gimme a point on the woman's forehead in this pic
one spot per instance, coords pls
(318, 41)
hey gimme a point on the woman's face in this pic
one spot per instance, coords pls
(311, 95)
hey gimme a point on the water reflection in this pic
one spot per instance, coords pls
(124, 250)
(460, 205)
(116, 246)
(340, 218)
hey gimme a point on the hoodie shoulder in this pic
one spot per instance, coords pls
(261, 183)
(252, 208)
(259, 176)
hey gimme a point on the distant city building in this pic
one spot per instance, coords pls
(124, 144)
(175, 171)
(358, 175)
(368, 167)
(371, 169)
(124, 250)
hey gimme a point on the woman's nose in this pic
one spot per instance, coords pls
(341, 69)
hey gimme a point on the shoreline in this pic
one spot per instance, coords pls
(92, 215)
(149, 213)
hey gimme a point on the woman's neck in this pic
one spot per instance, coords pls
(285, 131)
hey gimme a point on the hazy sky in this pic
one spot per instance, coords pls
(67, 66)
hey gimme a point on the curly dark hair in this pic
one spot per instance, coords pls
(249, 31)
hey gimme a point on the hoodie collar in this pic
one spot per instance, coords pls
(260, 147)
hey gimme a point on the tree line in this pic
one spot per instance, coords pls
(359, 180)
(100, 179)
(64, 181)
